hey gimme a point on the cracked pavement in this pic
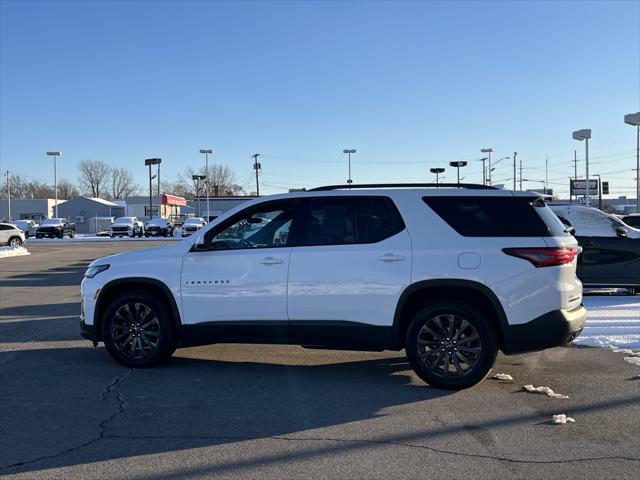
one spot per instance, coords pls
(249, 411)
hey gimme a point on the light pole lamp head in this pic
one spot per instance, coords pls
(584, 134)
(458, 164)
(346, 150)
(152, 161)
(438, 170)
(198, 177)
(204, 150)
(54, 154)
(632, 119)
(487, 150)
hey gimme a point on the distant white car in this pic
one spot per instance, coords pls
(29, 227)
(192, 225)
(11, 235)
(127, 227)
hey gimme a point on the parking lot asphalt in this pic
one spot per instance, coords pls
(247, 411)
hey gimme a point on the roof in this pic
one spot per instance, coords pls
(100, 200)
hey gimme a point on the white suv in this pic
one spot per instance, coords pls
(450, 275)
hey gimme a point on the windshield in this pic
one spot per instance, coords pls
(196, 221)
(124, 220)
(52, 221)
(158, 221)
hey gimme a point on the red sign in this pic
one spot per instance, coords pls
(173, 200)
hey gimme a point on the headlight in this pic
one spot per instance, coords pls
(93, 271)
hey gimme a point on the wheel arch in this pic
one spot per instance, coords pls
(113, 288)
(426, 292)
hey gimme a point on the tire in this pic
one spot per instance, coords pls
(14, 242)
(140, 233)
(146, 234)
(160, 329)
(443, 365)
(38, 236)
(72, 234)
(61, 234)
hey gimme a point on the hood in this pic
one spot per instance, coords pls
(121, 224)
(177, 249)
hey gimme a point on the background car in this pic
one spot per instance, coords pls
(11, 235)
(126, 227)
(632, 220)
(158, 227)
(29, 227)
(611, 248)
(192, 225)
(56, 228)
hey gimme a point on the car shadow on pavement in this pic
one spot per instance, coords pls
(66, 276)
(57, 403)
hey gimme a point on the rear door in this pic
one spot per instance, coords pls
(348, 268)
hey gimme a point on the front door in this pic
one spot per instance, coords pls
(235, 281)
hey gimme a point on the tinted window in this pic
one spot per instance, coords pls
(632, 221)
(496, 216)
(348, 220)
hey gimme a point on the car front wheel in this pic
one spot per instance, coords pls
(14, 242)
(451, 345)
(137, 330)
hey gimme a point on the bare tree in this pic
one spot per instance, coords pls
(67, 190)
(94, 177)
(122, 183)
(220, 181)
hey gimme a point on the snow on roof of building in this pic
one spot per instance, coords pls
(103, 201)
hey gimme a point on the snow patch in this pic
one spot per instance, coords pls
(561, 419)
(612, 322)
(626, 351)
(13, 252)
(502, 376)
(545, 391)
(633, 360)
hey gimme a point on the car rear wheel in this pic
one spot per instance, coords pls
(14, 242)
(451, 345)
(137, 330)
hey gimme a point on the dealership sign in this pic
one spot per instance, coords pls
(579, 187)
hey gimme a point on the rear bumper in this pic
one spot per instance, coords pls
(549, 330)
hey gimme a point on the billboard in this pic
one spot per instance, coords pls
(579, 187)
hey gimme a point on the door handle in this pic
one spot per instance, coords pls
(271, 261)
(390, 257)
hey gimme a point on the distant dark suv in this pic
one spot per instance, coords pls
(56, 228)
(157, 227)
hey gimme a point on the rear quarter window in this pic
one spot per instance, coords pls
(497, 216)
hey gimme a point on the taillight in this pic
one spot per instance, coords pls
(545, 256)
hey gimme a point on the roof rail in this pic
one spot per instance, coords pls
(468, 186)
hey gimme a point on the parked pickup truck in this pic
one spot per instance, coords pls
(126, 226)
(56, 228)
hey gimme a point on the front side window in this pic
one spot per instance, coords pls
(255, 228)
(350, 220)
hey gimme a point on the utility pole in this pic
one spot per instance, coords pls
(256, 166)
(9, 194)
(520, 174)
(515, 154)
(484, 170)
(575, 173)
(488, 151)
(55, 156)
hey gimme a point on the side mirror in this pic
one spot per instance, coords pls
(570, 231)
(621, 232)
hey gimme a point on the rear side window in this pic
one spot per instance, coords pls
(497, 216)
(349, 220)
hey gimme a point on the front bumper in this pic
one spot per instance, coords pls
(89, 332)
(547, 331)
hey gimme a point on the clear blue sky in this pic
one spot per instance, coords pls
(409, 85)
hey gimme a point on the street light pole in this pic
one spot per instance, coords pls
(458, 165)
(634, 119)
(206, 152)
(149, 162)
(55, 156)
(437, 171)
(585, 134)
(484, 169)
(515, 154)
(256, 166)
(9, 194)
(349, 151)
(489, 151)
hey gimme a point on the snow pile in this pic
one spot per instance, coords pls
(544, 390)
(612, 321)
(561, 419)
(502, 376)
(13, 252)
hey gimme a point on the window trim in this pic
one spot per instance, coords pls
(243, 214)
(305, 216)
